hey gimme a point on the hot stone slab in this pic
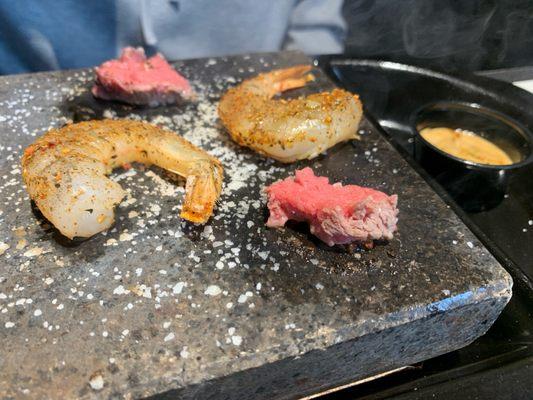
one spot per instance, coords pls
(230, 310)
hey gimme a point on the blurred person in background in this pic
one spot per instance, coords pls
(59, 34)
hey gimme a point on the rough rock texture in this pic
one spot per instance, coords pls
(336, 214)
(232, 309)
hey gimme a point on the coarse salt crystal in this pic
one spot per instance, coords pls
(120, 290)
(97, 382)
(236, 340)
(213, 290)
(178, 287)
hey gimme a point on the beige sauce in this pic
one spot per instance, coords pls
(466, 145)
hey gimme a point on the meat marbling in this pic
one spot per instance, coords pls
(336, 214)
(134, 79)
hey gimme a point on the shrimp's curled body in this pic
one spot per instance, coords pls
(288, 130)
(65, 172)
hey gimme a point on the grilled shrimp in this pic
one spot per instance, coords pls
(65, 172)
(288, 130)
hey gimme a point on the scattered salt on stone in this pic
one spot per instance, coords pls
(120, 290)
(213, 290)
(236, 340)
(184, 353)
(178, 287)
(97, 382)
(147, 292)
(169, 337)
(319, 286)
(37, 313)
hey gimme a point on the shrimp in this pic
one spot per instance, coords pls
(288, 130)
(65, 172)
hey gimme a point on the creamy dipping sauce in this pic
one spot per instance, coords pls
(466, 145)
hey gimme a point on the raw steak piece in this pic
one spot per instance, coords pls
(336, 214)
(134, 79)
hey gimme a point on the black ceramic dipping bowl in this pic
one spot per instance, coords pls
(474, 186)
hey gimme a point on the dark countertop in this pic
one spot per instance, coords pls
(157, 305)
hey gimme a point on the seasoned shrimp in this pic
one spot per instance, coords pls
(288, 130)
(65, 172)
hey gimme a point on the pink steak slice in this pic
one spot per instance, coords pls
(336, 214)
(138, 80)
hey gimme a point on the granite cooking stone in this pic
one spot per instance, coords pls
(232, 310)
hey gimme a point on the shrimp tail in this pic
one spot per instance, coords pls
(202, 191)
(290, 78)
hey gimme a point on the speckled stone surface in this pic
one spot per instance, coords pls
(234, 310)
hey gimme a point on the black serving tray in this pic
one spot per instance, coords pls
(499, 364)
